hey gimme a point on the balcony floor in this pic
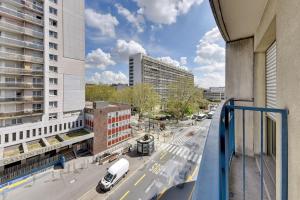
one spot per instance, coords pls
(252, 179)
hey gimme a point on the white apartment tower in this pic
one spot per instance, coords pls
(145, 69)
(42, 51)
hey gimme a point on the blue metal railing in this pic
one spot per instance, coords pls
(220, 148)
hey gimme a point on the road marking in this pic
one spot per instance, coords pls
(195, 158)
(124, 195)
(183, 152)
(155, 168)
(149, 187)
(164, 145)
(171, 148)
(138, 181)
(163, 191)
(193, 174)
(178, 152)
(186, 154)
(72, 181)
(177, 148)
(163, 155)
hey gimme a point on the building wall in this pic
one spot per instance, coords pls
(239, 85)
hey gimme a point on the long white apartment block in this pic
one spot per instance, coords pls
(42, 51)
(145, 69)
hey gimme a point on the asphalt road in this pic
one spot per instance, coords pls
(174, 163)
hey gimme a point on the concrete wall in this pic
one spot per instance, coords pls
(239, 84)
(288, 83)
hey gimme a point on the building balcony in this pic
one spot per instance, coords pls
(26, 4)
(21, 57)
(18, 15)
(23, 113)
(21, 85)
(227, 171)
(21, 43)
(29, 99)
(21, 71)
(20, 29)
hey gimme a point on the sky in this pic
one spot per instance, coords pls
(180, 32)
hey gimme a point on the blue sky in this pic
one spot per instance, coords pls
(181, 32)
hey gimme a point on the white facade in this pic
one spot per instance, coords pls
(41, 72)
(145, 69)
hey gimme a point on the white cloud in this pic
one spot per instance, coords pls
(210, 55)
(124, 49)
(105, 23)
(99, 59)
(169, 60)
(135, 19)
(165, 11)
(183, 60)
(109, 77)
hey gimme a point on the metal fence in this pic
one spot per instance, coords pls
(18, 171)
(227, 146)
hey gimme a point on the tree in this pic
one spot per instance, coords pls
(99, 92)
(123, 96)
(181, 99)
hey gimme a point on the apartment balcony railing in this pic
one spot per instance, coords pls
(21, 57)
(21, 29)
(21, 113)
(21, 85)
(21, 43)
(27, 4)
(214, 177)
(20, 15)
(21, 99)
(21, 71)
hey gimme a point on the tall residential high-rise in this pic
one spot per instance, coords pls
(145, 69)
(42, 52)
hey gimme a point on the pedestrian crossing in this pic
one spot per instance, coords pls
(180, 151)
(181, 140)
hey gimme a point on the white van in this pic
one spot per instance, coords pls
(114, 174)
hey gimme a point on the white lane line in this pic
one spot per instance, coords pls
(173, 147)
(183, 152)
(199, 160)
(186, 154)
(170, 146)
(177, 148)
(163, 146)
(149, 187)
(191, 155)
(195, 157)
(178, 152)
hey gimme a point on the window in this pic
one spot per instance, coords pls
(21, 135)
(52, 22)
(37, 107)
(14, 137)
(60, 127)
(53, 92)
(52, 10)
(37, 93)
(69, 125)
(53, 34)
(40, 131)
(52, 45)
(76, 123)
(53, 104)
(45, 130)
(6, 138)
(53, 69)
(33, 132)
(73, 124)
(55, 128)
(65, 126)
(53, 81)
(80, 122)
(53, 1)
(52, 116)
(50, 129)
(28, 134)
(53, 57)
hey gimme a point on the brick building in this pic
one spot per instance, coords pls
(110, 123)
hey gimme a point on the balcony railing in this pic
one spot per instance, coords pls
(20, 15)
(213, 178)
(21, 85)
(21, 99)
(21, 57)
(27, 4)
(21, 113)
(21, 71)
(21, 43)
(21, 29)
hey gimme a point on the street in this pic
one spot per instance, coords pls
(149, 176)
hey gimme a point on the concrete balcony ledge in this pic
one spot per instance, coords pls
(21, 29)
(26, 4)
(21, 43)
(20, 99)
(21, 85)
(23, 113)
(21, 71)
(21, 57)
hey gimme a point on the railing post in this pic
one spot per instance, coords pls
(284, 155)
(222, 157)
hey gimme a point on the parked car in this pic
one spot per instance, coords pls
(201, 117)
(114, 174)
(210, 115)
